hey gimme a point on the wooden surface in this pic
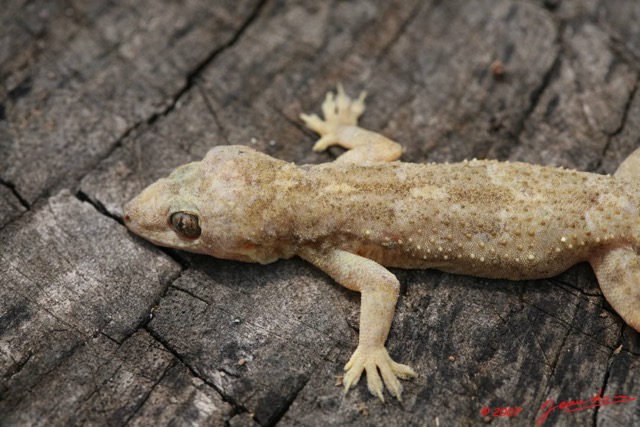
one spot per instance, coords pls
(100, 98)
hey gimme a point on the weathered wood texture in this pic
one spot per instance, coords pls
(100, 98)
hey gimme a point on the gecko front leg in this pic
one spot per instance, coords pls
(379, 289)
(339, 127)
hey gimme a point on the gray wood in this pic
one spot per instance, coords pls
(10, 206)
(99, 99)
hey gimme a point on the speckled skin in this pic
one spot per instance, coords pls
(363, 212)
(483, 218)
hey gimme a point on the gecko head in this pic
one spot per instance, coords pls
(166, 212)
(206, 207)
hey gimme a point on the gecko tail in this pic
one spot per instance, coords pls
(618, 272)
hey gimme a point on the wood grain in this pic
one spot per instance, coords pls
(99, 99)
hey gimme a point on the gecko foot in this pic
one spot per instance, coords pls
(371, 360)
(337, 110)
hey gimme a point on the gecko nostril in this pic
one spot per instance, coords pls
(127, 218)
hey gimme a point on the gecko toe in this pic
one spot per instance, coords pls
(353, 372)
(329, 109)
(343, 101)
(391, 380)
(351, 377)
(314, 123)
(357, 106)
(374, 382)
(403, 371)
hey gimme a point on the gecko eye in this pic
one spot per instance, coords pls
(186, 224)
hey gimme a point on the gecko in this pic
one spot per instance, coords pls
(366, 211)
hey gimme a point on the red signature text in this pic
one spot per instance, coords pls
(580, 405)
(500, 412)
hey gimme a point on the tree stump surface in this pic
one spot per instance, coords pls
(99, 99)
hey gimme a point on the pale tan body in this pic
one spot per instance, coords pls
(483, 218)
(359, 214)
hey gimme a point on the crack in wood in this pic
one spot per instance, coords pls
(403, 28)
(11, 187)
(607, 373)
(277, 417)
(238, 407)
(621, 125)
(144, 400)
(536, 93)
(212, 111)
(564, 284)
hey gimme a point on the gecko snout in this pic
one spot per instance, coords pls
(147, 214)
(126, 214)
(133, 216)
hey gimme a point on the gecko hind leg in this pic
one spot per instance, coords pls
(618, 273)
(618, 269)
(629, 169)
